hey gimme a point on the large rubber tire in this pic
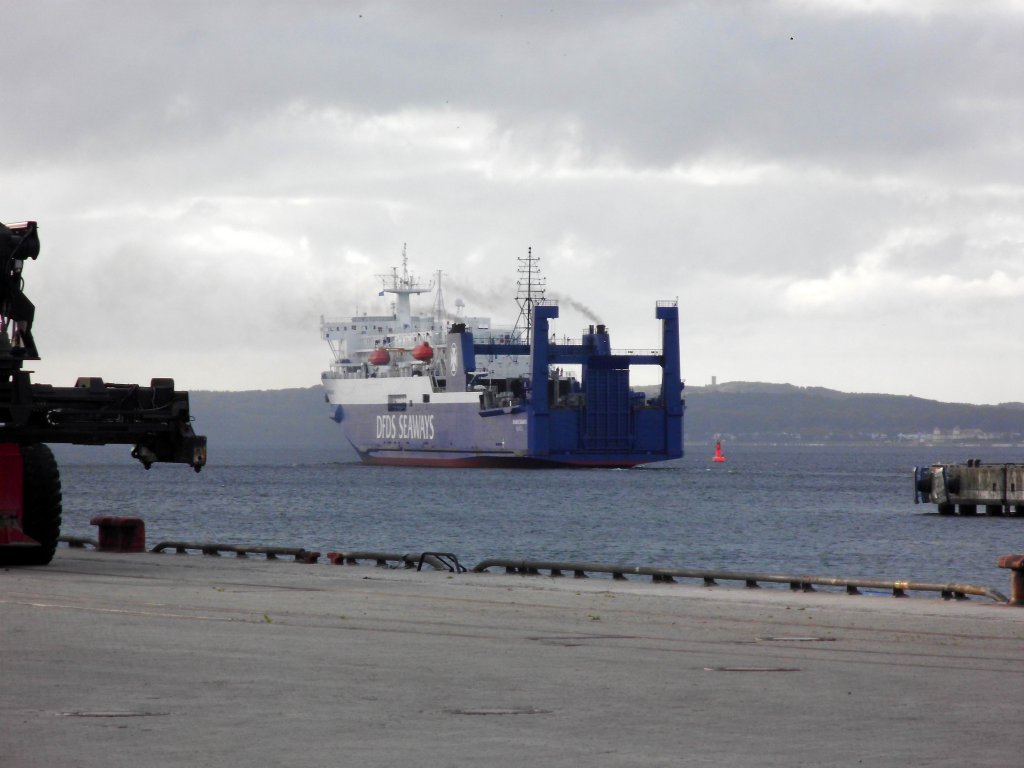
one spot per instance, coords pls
(41, 506)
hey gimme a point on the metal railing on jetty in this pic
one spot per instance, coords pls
(439, 561)
(752, 580)
(447, 561)
(299, 554)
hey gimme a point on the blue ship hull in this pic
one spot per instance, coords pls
(460, 435)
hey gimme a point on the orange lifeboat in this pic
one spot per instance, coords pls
(423, 352)
(380, 356)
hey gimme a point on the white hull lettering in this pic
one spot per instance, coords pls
(405, 426)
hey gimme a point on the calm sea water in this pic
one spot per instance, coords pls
(830, 511)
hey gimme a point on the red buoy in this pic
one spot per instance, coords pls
(423, 352)
(380, 356)
(718, 452)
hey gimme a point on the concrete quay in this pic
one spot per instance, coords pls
(167, 660)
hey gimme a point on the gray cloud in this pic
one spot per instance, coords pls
(819, 183)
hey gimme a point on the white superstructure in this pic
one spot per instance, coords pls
(376, 355)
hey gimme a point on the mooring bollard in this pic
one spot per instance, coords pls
(120, 534)
(1016, 565)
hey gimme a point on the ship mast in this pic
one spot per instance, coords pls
(529, 291)
(402, 286)
(439, 310)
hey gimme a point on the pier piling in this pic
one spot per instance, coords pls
(1015, 563)
(962, 488)
(120, 534)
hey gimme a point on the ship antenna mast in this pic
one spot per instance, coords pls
(529, 290)
(439, 310)
(403, 287)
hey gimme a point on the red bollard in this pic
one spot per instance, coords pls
(120, 534)
(1016, 565)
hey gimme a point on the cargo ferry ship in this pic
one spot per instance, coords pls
(431, 390)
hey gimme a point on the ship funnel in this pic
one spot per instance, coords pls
(459, 357)
(599, 342)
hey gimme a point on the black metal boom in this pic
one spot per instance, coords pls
(155, 419)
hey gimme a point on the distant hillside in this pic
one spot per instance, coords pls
(287, 418)
(245, 422)
(757, 411)
(740, 410)
(244, 426)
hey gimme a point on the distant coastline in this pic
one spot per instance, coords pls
(751, 413)
(762, 413)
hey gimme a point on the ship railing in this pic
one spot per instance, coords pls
(637, 352)
(554, 344)
(336, 373)
(667, 303)
(375, 372)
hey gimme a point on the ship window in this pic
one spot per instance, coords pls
(396, 402)
(426, 398)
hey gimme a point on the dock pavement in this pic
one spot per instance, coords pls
(186, 660)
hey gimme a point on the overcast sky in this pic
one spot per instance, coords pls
(833, 189)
